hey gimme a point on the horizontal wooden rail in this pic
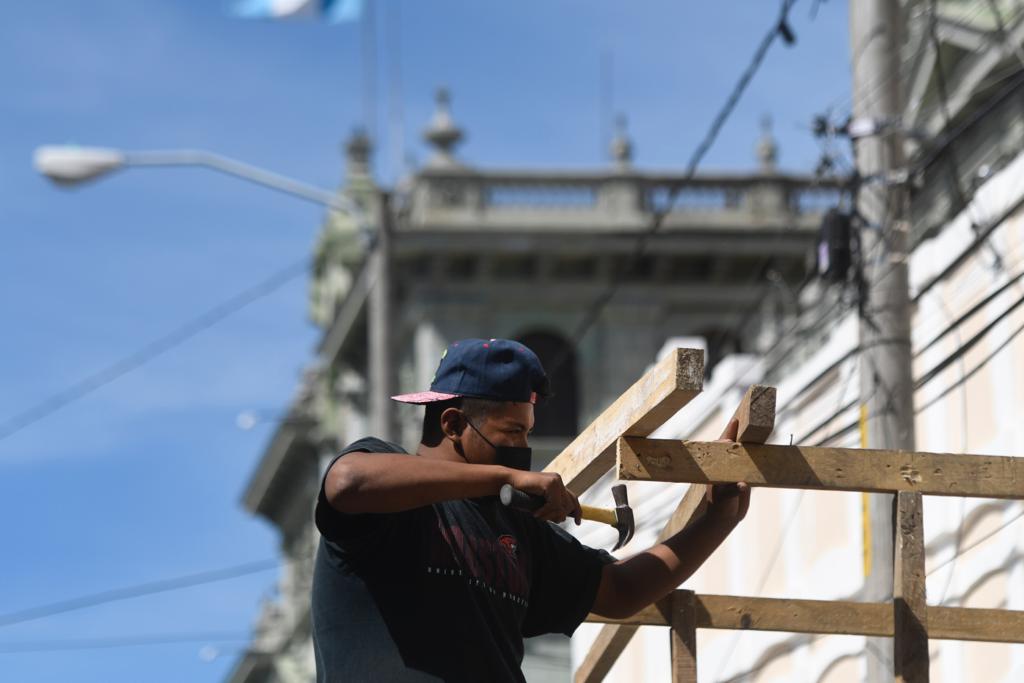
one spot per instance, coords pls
(828, 617)
(836, 469)
(756, 417)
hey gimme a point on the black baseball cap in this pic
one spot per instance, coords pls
(493, 369)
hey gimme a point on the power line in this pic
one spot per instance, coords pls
(951, 157)
(248, 568)
(158, 347)
(974, 545)
(946, 139)
(778, 547)
(964, 377)
(1003, 35)
(843, 102)
(593, 312)
(959, 355)
(792, 337)
(138, 590)
(119, 641)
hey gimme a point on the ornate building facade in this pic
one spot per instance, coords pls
(523, 254)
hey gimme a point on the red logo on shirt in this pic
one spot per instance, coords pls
(510, 545)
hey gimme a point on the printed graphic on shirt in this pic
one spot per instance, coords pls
(509, 544)
(483, 560)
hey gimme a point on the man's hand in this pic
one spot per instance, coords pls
(629, 585)
(728, 503)
(561, 502)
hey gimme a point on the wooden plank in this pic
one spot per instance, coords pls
(611, 640)
(835, 469)
(910, 611)
(648, 404)
(683, 643)
(833, 617)
(756, 415)
(775, 614)
(968, 623)
(794, 616)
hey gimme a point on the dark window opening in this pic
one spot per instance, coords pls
(558, 415)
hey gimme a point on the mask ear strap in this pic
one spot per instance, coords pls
(481, 434)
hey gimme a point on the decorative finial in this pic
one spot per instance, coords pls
(442, 133)
(357, 153)
(767, 149)
(621, 147)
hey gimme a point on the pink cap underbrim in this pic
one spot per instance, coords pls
(435, 396)
(424, 397)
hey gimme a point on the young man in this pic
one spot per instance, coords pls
(422, 574)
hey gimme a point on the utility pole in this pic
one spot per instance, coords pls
(886, 388)
(381, 359)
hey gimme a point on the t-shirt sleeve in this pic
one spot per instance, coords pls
(346, 528)
(566, 576)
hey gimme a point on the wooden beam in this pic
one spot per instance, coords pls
(756, 415)
(611, 640)
(648, 404)
(984, 625)
(910, 611)
(832, 617)
(683, 641)
(794, 616)
(835, 469)
(738, 613)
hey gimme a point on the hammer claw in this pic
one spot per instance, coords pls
(621, 517)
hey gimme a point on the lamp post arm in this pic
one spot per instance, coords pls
(248, 172)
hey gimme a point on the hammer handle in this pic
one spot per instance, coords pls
(531, 502)
(599, 514)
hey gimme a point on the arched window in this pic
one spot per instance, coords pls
(557, 416)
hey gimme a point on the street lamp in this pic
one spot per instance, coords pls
(69, 165)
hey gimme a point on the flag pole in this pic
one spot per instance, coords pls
(396, 103)
(369, 45)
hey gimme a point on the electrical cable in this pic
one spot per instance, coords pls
(978, 542)
(962, 203)
(138, 590)
(63, 645)
(766, 574)
(593, 312)
(1003, 35)
(958, 541)
(153, 349)
(959, 355)
(201, 578)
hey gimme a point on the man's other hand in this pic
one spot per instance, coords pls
(728, 503)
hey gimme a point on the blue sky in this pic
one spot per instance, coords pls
(141, 480)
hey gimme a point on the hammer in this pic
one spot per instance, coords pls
(621, 517)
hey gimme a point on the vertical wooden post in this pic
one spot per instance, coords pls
(910, 611)
(684, 637)
(756, 415)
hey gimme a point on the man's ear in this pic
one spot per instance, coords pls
(453, 423)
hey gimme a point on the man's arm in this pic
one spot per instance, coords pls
(393, 482)
(629, 585)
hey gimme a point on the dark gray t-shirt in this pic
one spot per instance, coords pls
(443, 592)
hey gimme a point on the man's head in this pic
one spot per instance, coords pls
(479, 430)
(481, 401)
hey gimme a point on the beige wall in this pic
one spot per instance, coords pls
(809, 544)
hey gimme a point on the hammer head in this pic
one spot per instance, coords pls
(623, 515)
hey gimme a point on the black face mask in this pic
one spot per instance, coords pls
(514, 457)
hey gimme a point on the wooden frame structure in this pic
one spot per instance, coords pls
(618, 438)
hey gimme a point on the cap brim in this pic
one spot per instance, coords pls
(424, 397)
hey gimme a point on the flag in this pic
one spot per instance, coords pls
(334, 11)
